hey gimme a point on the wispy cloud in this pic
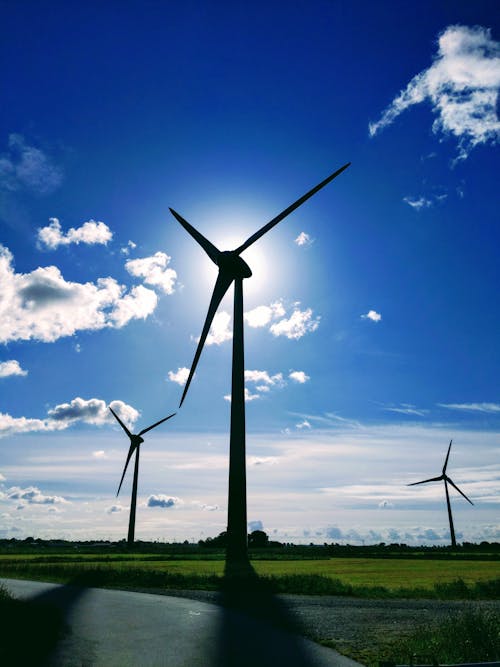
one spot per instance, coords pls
(42, 305)
(125, 250)
(372, 315)
(11, 367)
(491, 408)
(90, 233)
(154, 270)
(407, 409)
(304, 239)
(462, 87)
(25, 167)
(418, 203)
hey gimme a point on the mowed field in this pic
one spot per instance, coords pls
(390, 573)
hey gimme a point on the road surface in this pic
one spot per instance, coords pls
(108, 628)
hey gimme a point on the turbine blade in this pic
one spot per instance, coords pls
(145, 430)
(447, 457)
(129, 455)
(288, 210)
(208, 247)
(424, 481)
(121, 423)
(221, 286)
(461, 492)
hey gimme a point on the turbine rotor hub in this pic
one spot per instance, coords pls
(232, 264)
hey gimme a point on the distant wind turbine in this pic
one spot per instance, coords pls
(446, 481)
(232, 268)
(135, 443)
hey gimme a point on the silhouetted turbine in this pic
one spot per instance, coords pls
(233, 268)
(446, 481)
(135, 443)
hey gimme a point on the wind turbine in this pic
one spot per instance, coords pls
(446, 481)
(232, 268)
(135, 443)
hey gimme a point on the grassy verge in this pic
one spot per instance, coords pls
(468, 636)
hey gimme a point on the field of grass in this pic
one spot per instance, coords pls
(367, 577)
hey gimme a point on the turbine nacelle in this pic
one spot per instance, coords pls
(233, 265)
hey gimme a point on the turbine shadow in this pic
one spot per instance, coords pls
(33, 627)
(256, 626)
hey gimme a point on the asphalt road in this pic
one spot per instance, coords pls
(108, 628)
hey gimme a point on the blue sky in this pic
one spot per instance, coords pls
(371, 318)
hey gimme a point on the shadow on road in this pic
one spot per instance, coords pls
(256, 627)
(32, 628)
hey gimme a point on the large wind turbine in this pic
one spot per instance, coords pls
(232, 268)
(135, 443)
(446, 481)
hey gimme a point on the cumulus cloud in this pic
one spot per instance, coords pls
(92, 411)
(303, 424)
(33, 496)
(43, 306)
(90, 232)
(297, 325)
(299, 376)
(154, 270)
(255, 525)
(11, 367)
(263, 377)
(179, 376)
(163, 501)
(219, 331)
(115, 509)
(262, 315)
(24, 167)
(248, 396)
(372, 315)
(473, 407)
(303, 239)
(462, 87)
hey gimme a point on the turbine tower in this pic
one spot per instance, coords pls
(232, 268)
(446, 481)
(135, 443)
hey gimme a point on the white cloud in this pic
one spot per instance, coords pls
(43, 306)
(219, 331)
(303, 424)
(154, 271)
(180, 376)
(385, 505)
(248, 396)
(462, 87)
(259, 377)
(262, 315)
(99, 454)
(33, 496)
(472, 407)
(163, 501)
(25, 167)
(297, 325)
(299, 376)
(125, 250)
(407, 409)
(91, 233)
(11, 367)
(92, 411)
(418, 203)
(303, 239)
(372, 315)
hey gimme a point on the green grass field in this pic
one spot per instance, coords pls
(346, 576)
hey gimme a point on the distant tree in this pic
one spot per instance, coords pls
(258, 538)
